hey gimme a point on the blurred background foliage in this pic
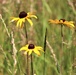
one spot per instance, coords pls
(45, 10)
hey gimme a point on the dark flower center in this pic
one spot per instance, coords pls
(62, 20)
(31, 46)
(22, 14)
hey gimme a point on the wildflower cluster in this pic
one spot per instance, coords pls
(23, 17)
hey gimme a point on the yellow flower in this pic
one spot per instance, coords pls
(29, 48)
(23, 16)
(63, 21)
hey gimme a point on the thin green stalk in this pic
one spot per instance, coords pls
(31, 9)
(32, 72)
(28, 67)
(61, 53)
(26, 34)
(44, 51)
(62, 36)
(31, 40)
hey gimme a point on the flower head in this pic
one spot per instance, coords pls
(29, 48)
(63, 21)
(23, 16)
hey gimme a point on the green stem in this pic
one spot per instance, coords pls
(28, 67)
(32, 72)
(62, 35)
(44, 51)
(61, 52)
(26, 34)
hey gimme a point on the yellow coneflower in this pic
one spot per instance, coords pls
(23, 16)
(63, 21)
(29, 48)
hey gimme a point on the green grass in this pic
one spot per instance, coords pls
(45, 10)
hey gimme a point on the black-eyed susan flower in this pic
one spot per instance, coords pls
(23, 16)
(63, 21)
(29, 48)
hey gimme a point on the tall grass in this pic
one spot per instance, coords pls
(45, 10)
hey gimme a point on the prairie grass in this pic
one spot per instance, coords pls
(57, 60)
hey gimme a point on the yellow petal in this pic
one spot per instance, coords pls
(30, 21)
(36, 51)
(21, 21)
(71, 22)
(25, 52)
(29, 52)
(30, 14)
(61, 21)
(24, 48)
(33, 16)
(14, 19)
(54, 21)
(72, 25)
(18, 23)
(39, 48)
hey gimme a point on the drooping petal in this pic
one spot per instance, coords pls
(30, 14)
(24, 20)
(70, 25)
(14, 19)
(39, 48)
(18, 23)
(30, 52)
(36, 51)
(54, 21)
(33, 16)
(25, 52)
(24, 48)
(21, 21)
(31, 23)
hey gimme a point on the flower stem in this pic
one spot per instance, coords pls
(26, 34)
(62, 35)
(31, 35)
(32, 65)
(31, 41)
(28, 67)
(62, 40)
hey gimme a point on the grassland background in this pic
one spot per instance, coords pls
(45, 10)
